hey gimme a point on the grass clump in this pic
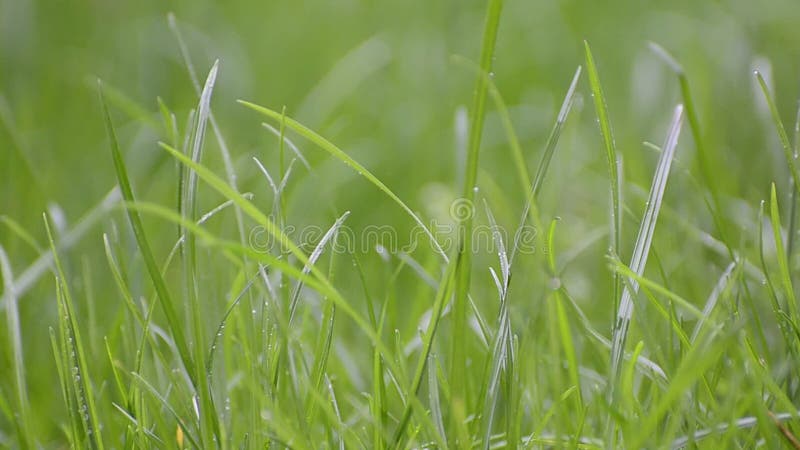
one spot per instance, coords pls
(282, 306)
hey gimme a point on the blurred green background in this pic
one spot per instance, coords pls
(377, 79)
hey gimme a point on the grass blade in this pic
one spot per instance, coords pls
(209, 424)
(223, 146)
(339, 154)
(642, 246)
(167, 304)
(612, 159)
(322, 283)
(703, 154)
(719, 288)
(10, 300)
(544, 163)
(442, 295)
(463, 269)
(500, 352)
(783, 265)
(72, 345)
(788, 151)
(312, 259)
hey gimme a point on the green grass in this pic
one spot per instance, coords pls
(378, 266)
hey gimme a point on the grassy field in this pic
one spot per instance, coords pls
(400, 224)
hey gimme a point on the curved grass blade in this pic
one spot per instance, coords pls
(339, 154)
(312, 259)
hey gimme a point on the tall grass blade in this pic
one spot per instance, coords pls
(501, 346)
(783, 265)
(443, 294)
(788, 151)
(544, 163)
(22, 419)
(72, 345)
(704, 157)
(434, 402)
(642, 246)
(188, 208)
(463, 270)
(612, 159)
(793, 208)
(62, 368)
(223, 146)
(165, 299)
(322, 354)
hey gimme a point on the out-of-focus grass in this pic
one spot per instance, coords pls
(378, 81)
